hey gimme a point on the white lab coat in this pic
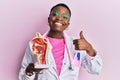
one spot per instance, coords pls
(91, 64)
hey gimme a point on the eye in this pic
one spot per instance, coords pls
(66, 16)
(56, 13)
(53, 14)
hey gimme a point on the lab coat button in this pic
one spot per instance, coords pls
(64, 63)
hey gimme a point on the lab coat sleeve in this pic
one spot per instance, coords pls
(26, 60)
(93, 65)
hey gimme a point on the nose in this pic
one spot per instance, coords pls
(59, 17)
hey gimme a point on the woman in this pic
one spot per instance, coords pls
(66, 55)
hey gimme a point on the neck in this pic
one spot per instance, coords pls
(55, 34)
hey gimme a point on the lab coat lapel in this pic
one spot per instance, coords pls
(52, 67)
(66, 62)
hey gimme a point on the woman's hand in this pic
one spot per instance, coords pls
(31, 68)
(83, 44)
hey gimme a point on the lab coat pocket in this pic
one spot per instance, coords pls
(73, 73)
(42, 75)
(77, 60)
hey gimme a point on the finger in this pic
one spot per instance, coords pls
(39, 69)
(80, 46)
(31, 65)
(75, 41)
(36, 70)
(29, 74)
(78, 42)
(77, 47)
(81, 35)
(29, 70)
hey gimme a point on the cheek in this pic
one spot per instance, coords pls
(66, 24)
(52, 18)
(65, 27)
(50, 21)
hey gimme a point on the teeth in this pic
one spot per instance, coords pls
(59, 24)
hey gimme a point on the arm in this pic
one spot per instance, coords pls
(25, 62)
(93, 65)
(90, 60)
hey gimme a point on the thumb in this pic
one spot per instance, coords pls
(81, 35)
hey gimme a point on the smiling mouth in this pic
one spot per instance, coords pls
(58, 23)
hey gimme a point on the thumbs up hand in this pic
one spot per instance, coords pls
(83, 44)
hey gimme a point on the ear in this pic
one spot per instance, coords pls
(67, 26)
(48, 19)
(68, 23)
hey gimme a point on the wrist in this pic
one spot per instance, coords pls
(91, 51)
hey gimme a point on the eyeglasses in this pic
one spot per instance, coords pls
(57, 13)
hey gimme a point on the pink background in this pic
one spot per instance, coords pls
(99, 19)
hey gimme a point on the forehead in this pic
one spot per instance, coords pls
(61, 9)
